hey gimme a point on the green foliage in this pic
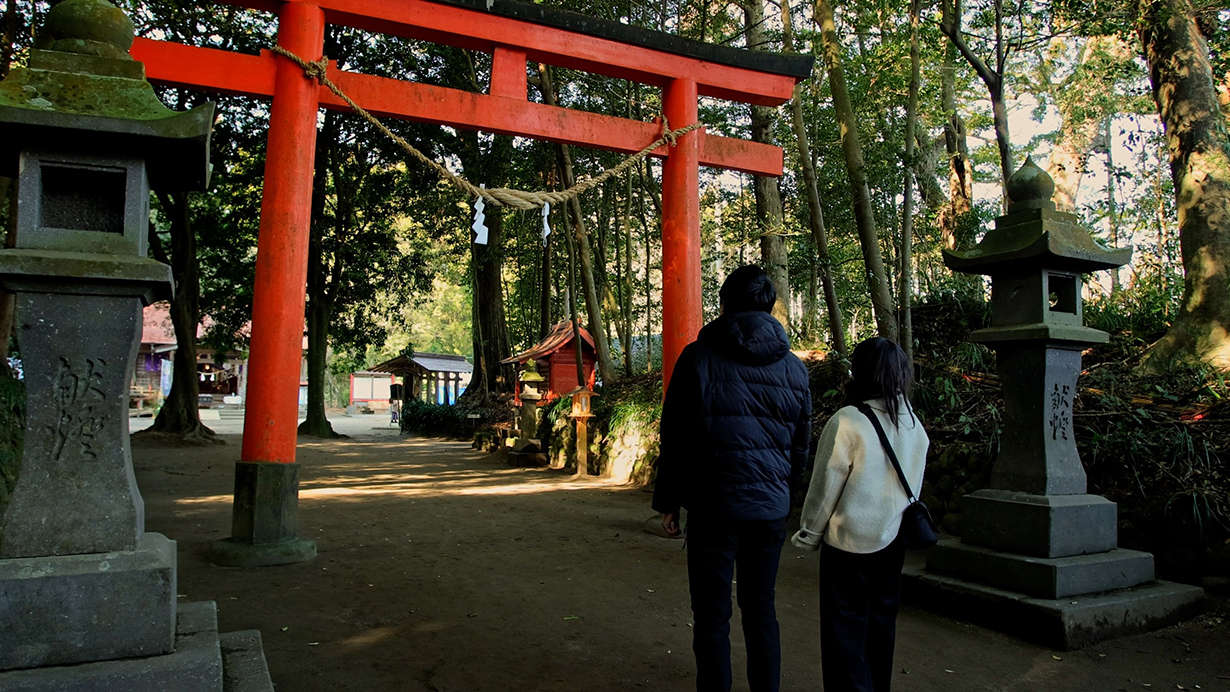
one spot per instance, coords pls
(1140, 313)
(628, 416)
(1159, 447)
(432, 419)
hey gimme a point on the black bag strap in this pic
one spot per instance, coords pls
(888, 449)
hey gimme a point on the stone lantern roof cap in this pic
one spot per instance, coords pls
(1034, 234)
(82, 91)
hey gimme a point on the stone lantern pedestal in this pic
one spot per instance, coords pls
(87, 597)
(1038, 555)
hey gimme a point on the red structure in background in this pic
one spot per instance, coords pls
(556, 358)
(514, 33)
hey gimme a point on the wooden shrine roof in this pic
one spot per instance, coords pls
(559, 337)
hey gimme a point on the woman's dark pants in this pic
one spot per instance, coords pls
(715, 548)
(859, 595)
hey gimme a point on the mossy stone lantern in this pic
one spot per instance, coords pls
(85, 136)
(531, 393)
(1035, 257)
(1038, 556)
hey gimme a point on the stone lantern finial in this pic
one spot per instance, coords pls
(1030, 188)
(90, 27)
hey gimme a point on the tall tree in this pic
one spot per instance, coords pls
(960, 169)
(864, 214)
(593, 307)
(362, 264)
(819, 234)
(1199, 146)
(769, 217)
(905, 294)
(992, 77)
(179, 415)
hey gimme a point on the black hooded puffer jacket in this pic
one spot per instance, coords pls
(736, 423)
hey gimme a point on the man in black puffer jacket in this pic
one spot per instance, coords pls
(735, 430)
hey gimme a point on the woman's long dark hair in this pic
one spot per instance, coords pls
(879, 368)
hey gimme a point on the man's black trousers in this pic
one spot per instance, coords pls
(859, 596)
(715, 549)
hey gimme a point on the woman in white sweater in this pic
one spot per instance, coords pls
(853, 514)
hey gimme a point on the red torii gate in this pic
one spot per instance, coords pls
(514, 32)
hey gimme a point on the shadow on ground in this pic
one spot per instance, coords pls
(441, 569)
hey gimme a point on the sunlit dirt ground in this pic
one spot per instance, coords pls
(441, 569)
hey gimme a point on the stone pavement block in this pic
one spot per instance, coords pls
(194, 666)
(244, 666)
(1041, 577)
(68, 609)
(1065, 623)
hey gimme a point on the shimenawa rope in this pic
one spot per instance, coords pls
(500, 196)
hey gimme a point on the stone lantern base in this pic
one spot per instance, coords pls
(203, 661)
(1047, 568)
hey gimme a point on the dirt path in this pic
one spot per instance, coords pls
(440, 569)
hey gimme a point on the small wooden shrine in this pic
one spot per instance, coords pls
(556, 358)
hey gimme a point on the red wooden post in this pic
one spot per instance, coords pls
(508, 77)
(281, 259)
(681, 280)
(265, 515)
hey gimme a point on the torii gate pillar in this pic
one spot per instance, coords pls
(265, 514)
(681, 274)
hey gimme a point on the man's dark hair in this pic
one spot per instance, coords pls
(880, 368)
(747, 289)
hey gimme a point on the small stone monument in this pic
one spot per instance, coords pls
(526, 446)
(88, 597)
(1038, 555)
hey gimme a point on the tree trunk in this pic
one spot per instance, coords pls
(992, 78)
(1081, 132)
(622, 257)
(644, 176)
(864, 215)
(1112, 206)
(319, 312)
(491, 339)
(593, 307)
(544, 298)
(1183, 86)
(819, 234)
(319, 304)
(180, 415)
(960, 170)
(907, 215)
(1069, 160)
(8, 37)
(769, 218)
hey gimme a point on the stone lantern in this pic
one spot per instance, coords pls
(1038, 555)
(530, 395)
(88, 597)
(527, 447)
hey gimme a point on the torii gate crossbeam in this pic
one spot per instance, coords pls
(514, 32)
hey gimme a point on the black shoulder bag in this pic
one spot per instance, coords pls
(917, 526)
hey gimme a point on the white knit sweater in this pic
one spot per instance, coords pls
(855, 500)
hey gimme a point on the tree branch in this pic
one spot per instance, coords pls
(988, 76)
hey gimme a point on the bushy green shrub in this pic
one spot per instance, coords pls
(432, 419)
(1140, 313)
